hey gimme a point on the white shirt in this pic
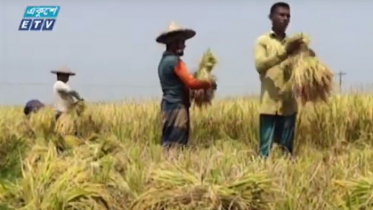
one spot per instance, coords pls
(62, 101)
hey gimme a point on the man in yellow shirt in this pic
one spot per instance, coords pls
(277, 110)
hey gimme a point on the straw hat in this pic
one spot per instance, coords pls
(63, 70)
(175, 31)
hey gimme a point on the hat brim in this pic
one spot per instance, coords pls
(183, 34)
(66, 73)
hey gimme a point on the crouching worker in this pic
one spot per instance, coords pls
(63, 94)
(176, 83)
(32, 106)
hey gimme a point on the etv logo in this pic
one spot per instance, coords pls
(39, 18)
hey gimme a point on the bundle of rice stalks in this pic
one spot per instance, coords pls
(36, 153)
(71, 141)
(358, 193)
(59, 183)
(109, 145)
(206, 65)
(69, 123)
(310, 79)
(79, 107)
(176, 188)
(65, 124)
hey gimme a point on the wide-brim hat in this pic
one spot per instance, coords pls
(175, 32)
(63, 70)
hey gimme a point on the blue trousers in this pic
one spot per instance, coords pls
(175, 124)
(275, 128)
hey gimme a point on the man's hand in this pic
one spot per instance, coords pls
(292, 47)
(78, 100)
(312, 53)
(214, 85)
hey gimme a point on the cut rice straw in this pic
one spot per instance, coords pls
(310, 79)
(206, 65)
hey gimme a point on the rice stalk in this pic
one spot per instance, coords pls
(206, 65)
(118, 160)
(310, 79)
(359, 193)
(56, 182)
(69, 123)
(175, 188)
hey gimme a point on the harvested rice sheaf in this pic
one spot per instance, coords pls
(80, 107)
(206, 65)
(64, 182)
(65, 124)
(68, 123)
(358, 193)
(175, 188)
(311, 80)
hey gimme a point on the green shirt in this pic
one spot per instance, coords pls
(270, 57)
(174, 91)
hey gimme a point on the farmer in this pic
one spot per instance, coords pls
(32, 106)
(176, 83)
(278, 110)
(63, 94)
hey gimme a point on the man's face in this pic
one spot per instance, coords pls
(280, 18)
(178, 46)
(63, 77)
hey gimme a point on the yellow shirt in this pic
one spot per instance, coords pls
(269, 55)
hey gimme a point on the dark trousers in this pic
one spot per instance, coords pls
(175, 124)
(279, 129)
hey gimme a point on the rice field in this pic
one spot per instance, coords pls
(117, 162)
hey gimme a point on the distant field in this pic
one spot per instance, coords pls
(119, 164)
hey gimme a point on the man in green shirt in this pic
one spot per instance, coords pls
(176, 82)
(278, 110)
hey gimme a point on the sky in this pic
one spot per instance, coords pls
(111, 44)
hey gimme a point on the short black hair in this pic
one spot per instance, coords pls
(27, 110)
(32, 106)
(279, 4)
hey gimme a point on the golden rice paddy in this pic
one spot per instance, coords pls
(116, 161)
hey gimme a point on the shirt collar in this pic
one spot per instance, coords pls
(272, 34)
(165, 53)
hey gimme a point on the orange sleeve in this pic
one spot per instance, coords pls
(192, 83)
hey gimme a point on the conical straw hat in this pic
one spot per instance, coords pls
(63, 70)
(175, 32)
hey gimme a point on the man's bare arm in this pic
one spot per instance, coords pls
(73, 93)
